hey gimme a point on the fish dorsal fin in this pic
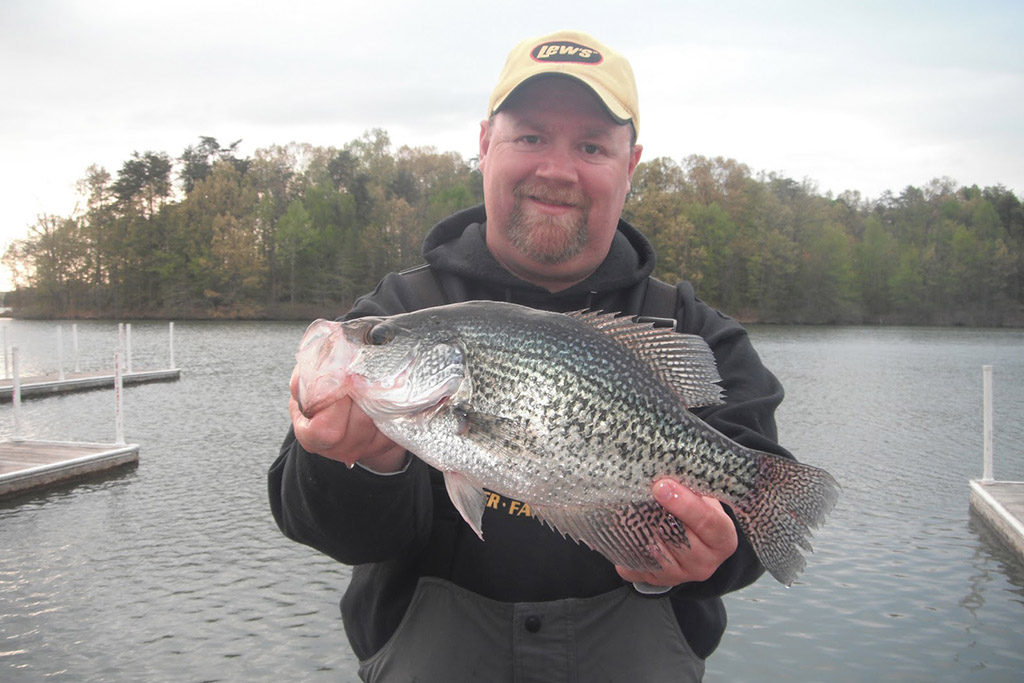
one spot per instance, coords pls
(683, 361)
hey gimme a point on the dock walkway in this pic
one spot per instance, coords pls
(1001, 505)
(45, 385)
(28, 465)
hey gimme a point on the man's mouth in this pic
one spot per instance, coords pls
(551, 202)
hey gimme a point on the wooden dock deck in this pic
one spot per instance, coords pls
(28, 465)
(1001, 505)
(81, 381)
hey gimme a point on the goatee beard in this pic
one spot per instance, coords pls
(548, 239)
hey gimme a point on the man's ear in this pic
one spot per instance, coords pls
(485, 142)
(634, 159)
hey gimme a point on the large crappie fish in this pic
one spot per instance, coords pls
(575, 414)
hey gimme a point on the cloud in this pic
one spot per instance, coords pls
(866, 96)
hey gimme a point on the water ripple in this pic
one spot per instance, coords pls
(174, 570)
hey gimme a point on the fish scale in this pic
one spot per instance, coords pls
(574, 414)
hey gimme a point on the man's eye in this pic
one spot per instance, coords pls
(530, 139)
(591, 149)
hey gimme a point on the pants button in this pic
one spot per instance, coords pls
(532, 623)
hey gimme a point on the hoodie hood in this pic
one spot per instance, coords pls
(457, 245)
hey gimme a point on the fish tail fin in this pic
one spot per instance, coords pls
(777, 515)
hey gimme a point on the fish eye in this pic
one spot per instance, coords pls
(379, 334)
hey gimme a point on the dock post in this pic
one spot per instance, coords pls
(7, 374)
(170, 336)
(74, 345)
(986, 372)
(120, 342)
(16, 395)
(118, 402)
(128, 349)
(60, 353)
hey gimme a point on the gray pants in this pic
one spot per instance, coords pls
(450, 635)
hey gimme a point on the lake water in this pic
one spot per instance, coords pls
(174, 570)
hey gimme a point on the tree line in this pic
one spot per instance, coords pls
(299, 231)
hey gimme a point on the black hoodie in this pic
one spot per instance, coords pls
(397, 528)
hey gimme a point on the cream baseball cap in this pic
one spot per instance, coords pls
(575, 54)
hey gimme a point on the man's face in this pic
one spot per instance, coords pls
(556, 171)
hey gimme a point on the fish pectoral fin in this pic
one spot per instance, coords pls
(469, 499)
(634, 535)
(505, 437)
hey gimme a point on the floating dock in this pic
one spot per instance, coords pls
(999, 503)
(81, 381)
(26, 465)
(61, 382)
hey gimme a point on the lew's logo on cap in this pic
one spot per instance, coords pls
(565, 51)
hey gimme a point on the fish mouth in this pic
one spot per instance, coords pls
(316, 394)
(320, 368)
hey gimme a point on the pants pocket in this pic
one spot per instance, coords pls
(627, 637)
(447, 634)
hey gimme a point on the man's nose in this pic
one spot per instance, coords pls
(558, 164)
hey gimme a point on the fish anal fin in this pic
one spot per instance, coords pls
(636, 535)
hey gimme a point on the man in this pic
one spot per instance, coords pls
(428, 600)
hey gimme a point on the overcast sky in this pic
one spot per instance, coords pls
(866, 96)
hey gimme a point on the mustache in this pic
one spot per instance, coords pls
(551, 195)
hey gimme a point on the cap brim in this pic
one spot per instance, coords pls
(614, 108)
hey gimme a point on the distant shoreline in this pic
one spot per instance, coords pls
(309, 312)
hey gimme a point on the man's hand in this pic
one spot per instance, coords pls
(710, 530)
(343, 432)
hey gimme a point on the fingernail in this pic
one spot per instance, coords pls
(664, 492)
